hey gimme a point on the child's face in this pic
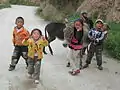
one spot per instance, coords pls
(84, 15)
(104, 27)
(19, 23)
(36, 35)
(99, 25)
(78, 26)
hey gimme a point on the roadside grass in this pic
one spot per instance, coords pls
(4, 5)
(112, 43)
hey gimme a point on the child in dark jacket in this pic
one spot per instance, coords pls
(96, 37)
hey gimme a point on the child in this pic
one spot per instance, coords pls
(105, 29)
(96, 37)
(75, 45)
(35, 53)
(19, 49)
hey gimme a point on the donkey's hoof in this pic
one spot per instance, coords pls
(51, 53)
(44, 52)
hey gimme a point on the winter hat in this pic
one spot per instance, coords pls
(99, 20)
(83, 12)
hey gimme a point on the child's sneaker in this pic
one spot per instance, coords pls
(68, 64)
(36, 81)
(77, 71)
(100, 67)
(74, 72)
(11, 68)
(86, 66)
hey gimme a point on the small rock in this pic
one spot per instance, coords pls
(104, 62)
(116, 72)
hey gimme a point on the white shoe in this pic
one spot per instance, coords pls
(29, 76)
(36, 81)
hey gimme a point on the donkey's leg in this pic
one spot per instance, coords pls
(44, 51)
(50, 40)
(50, 49)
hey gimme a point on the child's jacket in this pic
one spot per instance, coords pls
(76, 40)
(19, 36)
(96, 36)
(34, 48)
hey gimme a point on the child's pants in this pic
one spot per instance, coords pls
(34, 67)
(97, 49)
(74, 58)
(19, 51)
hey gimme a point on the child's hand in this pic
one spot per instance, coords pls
(26, 38)
(43, 38)
(65, 45)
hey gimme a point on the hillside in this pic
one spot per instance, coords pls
(105, 9)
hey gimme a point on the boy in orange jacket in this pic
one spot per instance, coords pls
(19, 33)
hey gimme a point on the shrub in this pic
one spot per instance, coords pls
(22, 2)
(112, 44)
(4, 5)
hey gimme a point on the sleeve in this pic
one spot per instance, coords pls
(105, 34)
(25, 42)
(102, 37)
(44, 42)
(68, 32)
(13, 39)
(27, 35)
(90, 34)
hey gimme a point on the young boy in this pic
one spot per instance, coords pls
(19, 34)
(96, 37)
(35, 53)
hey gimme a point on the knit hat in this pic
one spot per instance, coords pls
(99, 20)
(83, 12)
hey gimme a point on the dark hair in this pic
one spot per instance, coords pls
(79, 20)
(19, 18)
(36, 30)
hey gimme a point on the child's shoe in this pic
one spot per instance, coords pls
(77, 71)
(29, 76)
(11, 68)
(73, 73)
(36, 81)
(86, 66)
(68, 64)
(100, 67)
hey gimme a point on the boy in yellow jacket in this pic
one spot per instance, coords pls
(19, 33)
(35, 53)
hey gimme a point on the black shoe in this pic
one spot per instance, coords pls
(100, 67)
(68, 64)
(86, 66)
(11, 68)
(81, 67)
